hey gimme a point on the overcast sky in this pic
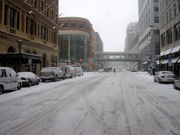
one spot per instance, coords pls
(108, 17)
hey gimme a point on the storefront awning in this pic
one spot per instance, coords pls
(144, 63)
(157, 62)
(162, 53)
(176, 49)
(15, 57)
(178, 61)
(164, 61)
(174, 60)
(168, 51)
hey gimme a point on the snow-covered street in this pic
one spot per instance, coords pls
(123, 103)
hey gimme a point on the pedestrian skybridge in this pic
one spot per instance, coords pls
(116, 56)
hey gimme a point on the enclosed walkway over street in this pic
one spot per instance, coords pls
(116, 56)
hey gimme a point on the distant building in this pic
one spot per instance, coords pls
(77, 42)
(170, 35)
(148, 31)
(131, 42)
(28, 36)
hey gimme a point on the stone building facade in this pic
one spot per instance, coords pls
(131, 42)
(148, 32)
(77, 42)
(170, 35)
(28, 34)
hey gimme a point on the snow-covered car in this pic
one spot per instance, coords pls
(176, 84)
(164, 76)
(9, 80)
(69, 71)
(28, 79)
(51, 73)
(78, 71)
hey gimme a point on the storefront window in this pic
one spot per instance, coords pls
(77, 50)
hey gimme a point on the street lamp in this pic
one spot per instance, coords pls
(19, 56)
(19, 45)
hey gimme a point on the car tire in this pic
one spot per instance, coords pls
(174, 86)
(19, 86)
(29, 84)
(55, 79)
(154, 80)
(1, 90)
(43, 80)
(159, 80)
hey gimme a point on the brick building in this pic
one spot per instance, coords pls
(77, 42)
(28, 34)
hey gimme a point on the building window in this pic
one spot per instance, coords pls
(80, 25)
(11, 50)
(179, 5)
(35, 3)
(27, 25)
(65, 25)
(42, 6)
(169, 36)
(163, 39)
(12, 17)
(17, 20)
(156, 19)
(73, 24)
(52, 15)
(6, 15)
(52, 61)
(31, 26)
(22, 22)
(175, 12)
(156, 9)
(1, 9)
(177, 32)
(170, 13)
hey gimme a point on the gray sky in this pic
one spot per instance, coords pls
(108, 17)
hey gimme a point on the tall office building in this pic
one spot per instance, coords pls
(170, 35)
(131, 42)
(148, 31)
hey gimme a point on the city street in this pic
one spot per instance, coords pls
(122, 103)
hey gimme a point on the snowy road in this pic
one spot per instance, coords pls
(124, 103)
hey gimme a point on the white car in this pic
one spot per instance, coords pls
(52, 73)
(9, 80)
(164, 76)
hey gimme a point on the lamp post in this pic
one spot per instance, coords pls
(19, 54)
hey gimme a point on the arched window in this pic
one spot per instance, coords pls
(44, 60)
(52, 60)
(27, 51)
(34, 52)
(56, 61)
(11, 49)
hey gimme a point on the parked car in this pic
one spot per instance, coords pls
(176, 84)
(9, 80)
(69, 71)
(133, 70)
(164, 76)
(28, 79)
(78, 71)
(51, 73)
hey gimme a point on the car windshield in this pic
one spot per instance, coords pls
(166, 72)
(48, 69)
(26, 74)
